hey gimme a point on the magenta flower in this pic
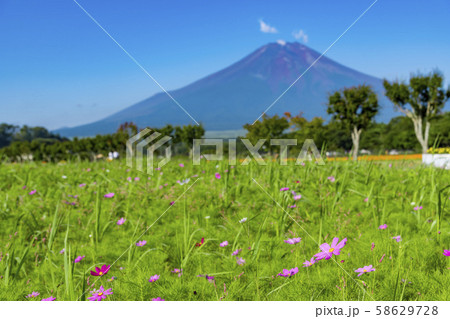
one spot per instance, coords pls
(101, 271)
(328, 251)
(418, 208)
(172, 203)
(141, 243)
(32, 192)
(309, 263)
(62, 251)
(217, 175)
(293, 241)
(240, 261)
(178, 271)
(293, 206)
(384, 226)
(366, 199)
(223, 244)
(243, 220)
(446, 253)
(78, 259)
(364, 270)
(51, 298)
(153, 278)
(331, 179)
(283, 189)
(181, 165)
(99, 295)
(33, 294)
(158, 299)
(121, 221)
(397, 238)
(296, 196)
(109, 195)
(82, 185)
(209, 278)
(382, 257)
(288, 273)
(237, 251)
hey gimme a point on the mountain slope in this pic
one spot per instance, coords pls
(236, 95)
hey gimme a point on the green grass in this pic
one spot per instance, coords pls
(35, 228)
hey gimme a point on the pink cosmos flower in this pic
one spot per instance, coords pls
(153, 278)
(172, 203)
(217, 175)
(331, 179)
(24, 186)
(293, 241)
(32, 192)
(158, 299)
(240, 261)
(293, 206)
(364, 270)
(283, 189)
(397, 238)
(78, 259)
(33, 294)
(446, 253)
(82, 185)
(51, 298)
(137, 179)
(223, 244)
(373, 246)
(237, 251)
(99, 295)
(418, 208)
(178, 271)
(141, 243)
(243, 220)
(366, 199)
(62, 251)
(328, 251)
(101, 271)
(309, 263)
(382, 257)
(384, 226)
(297, 197)
(109, 195)
(181, 165)
(288, 273)
(121, 221)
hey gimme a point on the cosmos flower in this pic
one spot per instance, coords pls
(185, 181)
(328, 251)
(223, 244)
(283, 189)
(293, 206)
(121, 221)
(418, 208)
(364, 270)
(33, 294)
(382, 257)
(51, 298)
(158, 298)
(200, 243)
(331, 179)
(296, 196)
(237, 251)
(366, 199)
(309, 263)
(109, 195)
(209, 278)
(172, 203)
(137, 179)
(288, 273)
(82, 185)
(397, 238)
(100, 294)
(153, 278)
(141, 243)
(240, 261)
(62, 251)
(112, 279)
(446, 253)
(217, 175)
(101, 271)
(178, 271)
(181, 165)
(293, 241)
(243, 220)
(78, 259)
(384, 226)
(32, 192)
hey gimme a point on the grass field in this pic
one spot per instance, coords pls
(43, 232)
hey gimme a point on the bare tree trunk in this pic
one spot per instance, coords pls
(355, 139)
(422, 136)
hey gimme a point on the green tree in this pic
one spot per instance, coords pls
(420, 100)
(267, 128)
(354, 108)
(187, 134)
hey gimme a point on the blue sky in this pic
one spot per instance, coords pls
(57, 68)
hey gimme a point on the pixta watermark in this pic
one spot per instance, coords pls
(142, 144)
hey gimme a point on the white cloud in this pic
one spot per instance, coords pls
(281, 42)
(300, 35)
(265, 28)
